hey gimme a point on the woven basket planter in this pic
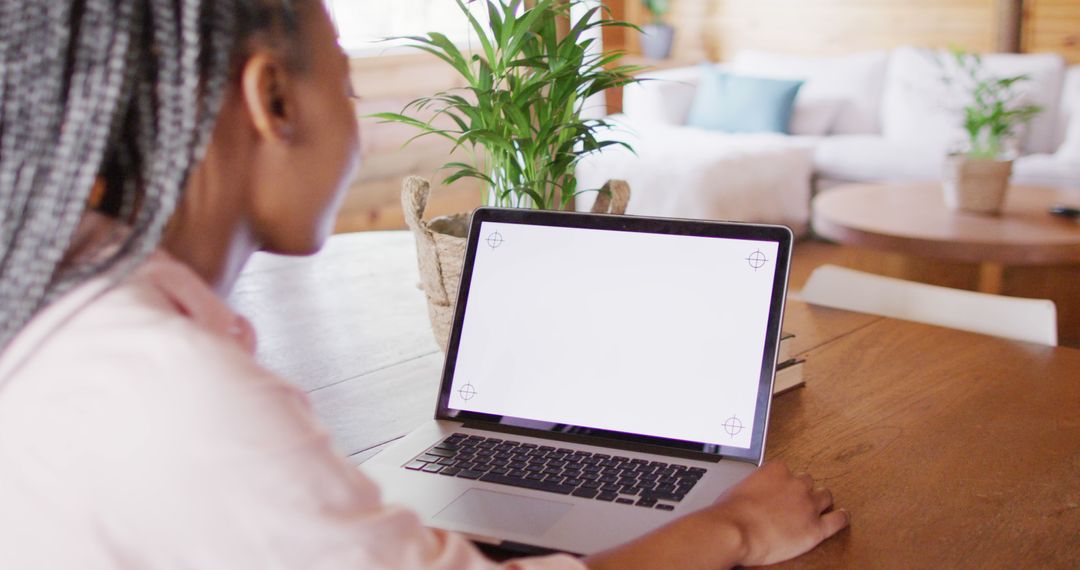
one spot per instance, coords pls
(440, 246)
(976, 185)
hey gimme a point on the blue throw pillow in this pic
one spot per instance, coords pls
(742, 104)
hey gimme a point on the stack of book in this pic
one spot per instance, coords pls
(789, 370)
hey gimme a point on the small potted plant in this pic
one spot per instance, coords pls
(977, 179)
(657, 36)
(520, 120)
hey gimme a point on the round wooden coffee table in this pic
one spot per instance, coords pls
(905, 230)
(912, 219)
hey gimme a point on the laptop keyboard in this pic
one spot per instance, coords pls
(600, 476)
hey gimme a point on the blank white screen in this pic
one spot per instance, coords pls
(648, 334)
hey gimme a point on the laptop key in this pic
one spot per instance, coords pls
(664, 507)
(451, 471)
(440, 452)
(645, 502)
(548, 486)
(432, 468)
(663, 496)
(623, 501)
(416, 465)
(587, 493)
(607, 496)
(470, 474)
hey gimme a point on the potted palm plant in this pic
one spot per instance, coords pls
(657, 36)
(976, 180)
(519, 119)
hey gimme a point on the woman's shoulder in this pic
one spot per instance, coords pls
(160, 326)
(155, 356)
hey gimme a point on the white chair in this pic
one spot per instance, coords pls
(1031, 320)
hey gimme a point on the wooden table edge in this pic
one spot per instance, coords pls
(960, 251)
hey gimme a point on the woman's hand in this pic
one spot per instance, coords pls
(769, 517)
(779, 515)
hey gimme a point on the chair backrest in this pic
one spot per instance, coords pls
(1031, 320)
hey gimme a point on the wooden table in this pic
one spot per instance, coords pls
(950, 449)
(1024, 252)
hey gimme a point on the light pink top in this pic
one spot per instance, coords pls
(137, 431)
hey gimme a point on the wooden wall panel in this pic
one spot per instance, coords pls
(1052, 25)
(717, 29)
(388, 83)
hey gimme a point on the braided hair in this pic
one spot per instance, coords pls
(126, 90)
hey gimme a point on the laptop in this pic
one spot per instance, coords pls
(604, 375)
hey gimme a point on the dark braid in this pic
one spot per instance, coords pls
(124, 89)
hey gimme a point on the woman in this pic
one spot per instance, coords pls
(147, 148)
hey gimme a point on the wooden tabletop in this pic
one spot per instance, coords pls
(950, 449)
(912, 218)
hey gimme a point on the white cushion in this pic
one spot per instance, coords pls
(848, 86)
(919, 106)
(1047, 170)
(871, 158)
(662, 96)
(1069, 116)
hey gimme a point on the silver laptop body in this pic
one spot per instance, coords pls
(639, 350)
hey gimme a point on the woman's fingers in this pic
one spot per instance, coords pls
(822, 499)
(833, 522)
(807, 480)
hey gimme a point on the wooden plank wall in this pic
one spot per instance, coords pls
(1052, 25)
(717, 29)
(388, 83)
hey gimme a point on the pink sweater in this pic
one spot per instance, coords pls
(137, 431)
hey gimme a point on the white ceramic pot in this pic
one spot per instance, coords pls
(656, 40)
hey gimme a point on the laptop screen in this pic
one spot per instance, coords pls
(596, 330)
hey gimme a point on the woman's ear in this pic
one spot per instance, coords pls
(264, 83)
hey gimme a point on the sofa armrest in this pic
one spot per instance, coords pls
(662, 96)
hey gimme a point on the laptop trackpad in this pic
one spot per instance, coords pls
(504, 512)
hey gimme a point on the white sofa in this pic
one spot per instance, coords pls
(873, 116)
